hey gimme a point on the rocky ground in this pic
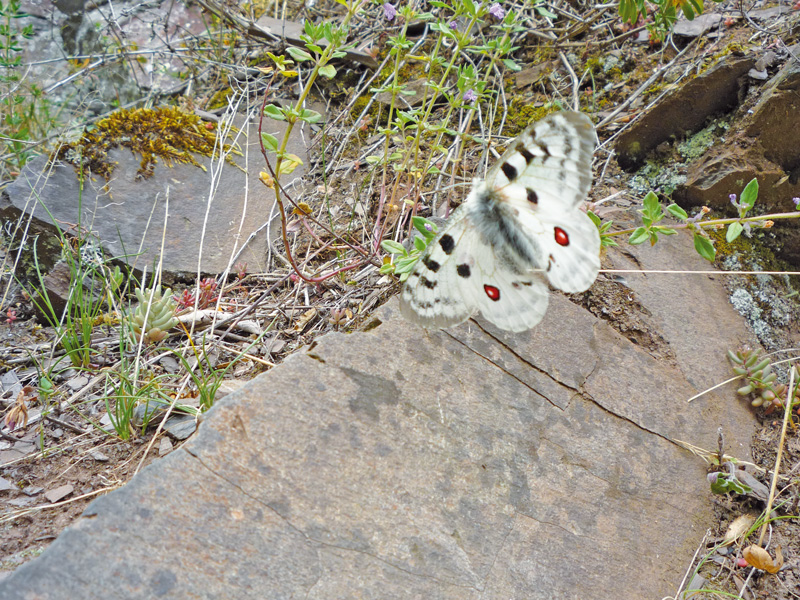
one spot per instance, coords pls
(693, 117)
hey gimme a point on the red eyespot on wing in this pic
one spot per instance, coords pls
(562, 239)
(492, 292)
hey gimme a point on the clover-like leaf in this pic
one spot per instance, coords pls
(392, 247)
(677, 212)
(274, 112)
(270, 142)
(639, 236)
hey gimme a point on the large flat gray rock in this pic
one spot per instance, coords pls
(466, 464)
(213, 211)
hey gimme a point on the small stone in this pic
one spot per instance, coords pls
(57, 433)
(275, 346)
(5, 484)
(170, 364)
(10, 384)
(98, 456)
(164, 446)
(59, 493)
(20, 502)
(181, 427)
(77, 383)
(32, 490)
(149, 412)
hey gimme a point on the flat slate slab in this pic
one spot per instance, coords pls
(465, 464)
(213, 211)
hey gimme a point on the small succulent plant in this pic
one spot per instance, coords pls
(760, 380)
(161, 318)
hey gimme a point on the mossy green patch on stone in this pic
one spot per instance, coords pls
(699, 143)
(168, 133)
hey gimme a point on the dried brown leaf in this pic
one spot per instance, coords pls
(738, 528)
(760, 558)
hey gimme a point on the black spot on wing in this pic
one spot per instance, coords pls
(447, 243)
(463, 271)
(431, 264)
(427, 283)
(543, 147)
(533, 198)
(509, 170)
(526, 154)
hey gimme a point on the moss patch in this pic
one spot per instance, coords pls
(167, 133)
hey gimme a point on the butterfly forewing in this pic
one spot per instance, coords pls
(519, 228)
(553, 157)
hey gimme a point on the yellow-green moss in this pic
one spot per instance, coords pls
(219, 99)
(521, 113)
(167, 133)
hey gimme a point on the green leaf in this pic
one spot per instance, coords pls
(651, 207)
(511, 65)
(639, 236)
(704, 247)
(392, 247)
(734, 231)
(420, 243)
(729, 483)
(274, 112)
(546, 13)
(595, 219)
(298, 54)
(677, 212)
(328, 71)
(666, 230)
(420, 225)
(749, 194)
(310, 116)
(270, 142)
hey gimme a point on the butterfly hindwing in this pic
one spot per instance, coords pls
(431, 296)
(454, 279)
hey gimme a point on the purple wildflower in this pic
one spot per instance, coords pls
(497, 11)
(733, 200)
(428, 226)
(796, 203)
(470, 96)
(389, 11)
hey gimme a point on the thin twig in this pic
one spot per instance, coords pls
(786, 413)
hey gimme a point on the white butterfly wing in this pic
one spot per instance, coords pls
(544, 177)
(459, 274)
(432, 296)
(571, 247)
(552, 158)
(520, 225)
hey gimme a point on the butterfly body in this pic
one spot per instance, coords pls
(519, 229)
